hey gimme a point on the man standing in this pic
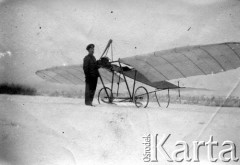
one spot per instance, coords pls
(90, 68)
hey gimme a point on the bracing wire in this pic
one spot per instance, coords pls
(112, 52)
(106, 51)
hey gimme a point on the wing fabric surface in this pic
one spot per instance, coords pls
(157, 84)
(141, 78)
(186, 61)
(73, 74)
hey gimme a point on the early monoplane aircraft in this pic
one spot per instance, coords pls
(153, 69)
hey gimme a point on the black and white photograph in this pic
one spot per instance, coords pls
(119, 82)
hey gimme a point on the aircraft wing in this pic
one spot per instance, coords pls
(186, 61)
(142, 78)
(72, 74)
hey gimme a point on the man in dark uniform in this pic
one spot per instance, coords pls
(90, 68)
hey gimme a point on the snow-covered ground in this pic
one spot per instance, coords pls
(63, 131)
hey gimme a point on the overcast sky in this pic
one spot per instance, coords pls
(40, 34)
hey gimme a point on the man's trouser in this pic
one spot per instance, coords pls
(91, 84)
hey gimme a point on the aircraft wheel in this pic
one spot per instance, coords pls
(141, 97)
(105, 96)
(166, 101)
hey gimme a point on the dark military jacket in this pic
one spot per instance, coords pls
(90, 66)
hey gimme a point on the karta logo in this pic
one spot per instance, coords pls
(154, 146)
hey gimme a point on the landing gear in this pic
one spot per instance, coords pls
(105, 96)
(141, 97)
(165, 101)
